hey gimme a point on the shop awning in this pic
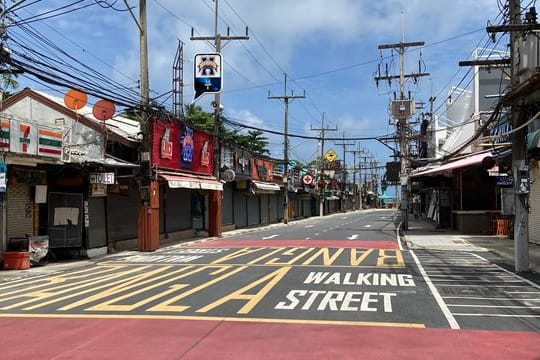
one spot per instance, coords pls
(261, 186)
(456, 164)
(192, 182)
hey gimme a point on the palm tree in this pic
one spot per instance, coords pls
(8, 82)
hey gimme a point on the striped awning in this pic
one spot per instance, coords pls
(192, 182)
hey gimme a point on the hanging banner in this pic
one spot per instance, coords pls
(208, 73)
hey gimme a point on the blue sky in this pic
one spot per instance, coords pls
(327, 48)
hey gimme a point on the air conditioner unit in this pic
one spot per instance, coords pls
(402, 108)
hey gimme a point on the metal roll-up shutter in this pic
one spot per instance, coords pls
(534, 203)
(20, 211)
(253, 210)
(307, 208)
(227, 213)
(240, 210)
(123, 214)
(178, 212)
(275, 207)
(97, 222)
(265, 209)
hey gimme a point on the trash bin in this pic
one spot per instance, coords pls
(16, 260)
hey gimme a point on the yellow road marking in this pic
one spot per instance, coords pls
(253, 299)
(225, 319)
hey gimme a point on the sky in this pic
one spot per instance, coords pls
(329, 49)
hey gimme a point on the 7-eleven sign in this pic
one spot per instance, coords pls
(23, 137)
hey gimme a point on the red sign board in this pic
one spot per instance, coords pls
(177, 147)
(262, 170)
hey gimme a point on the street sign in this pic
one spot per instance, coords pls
(331, 155)
(208, 73)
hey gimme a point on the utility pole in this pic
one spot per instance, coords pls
(355, 169)
(519, 164)
(515, 98)
(402, 109)
(323, 131)
(364, 167)
(215, 197)
(344, 182)
(286, 98)
(149, 210)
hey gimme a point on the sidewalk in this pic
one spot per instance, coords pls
(423, 234)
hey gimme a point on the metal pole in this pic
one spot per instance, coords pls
(286, 156)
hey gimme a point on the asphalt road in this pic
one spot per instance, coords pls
(322, 276)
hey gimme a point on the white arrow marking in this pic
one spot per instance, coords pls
(269, 237)
(353, 237)
(367, 226)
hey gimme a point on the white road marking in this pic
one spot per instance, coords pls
(270, 237)
(449, 317)
(309, 226)
(353, 237)
(500, 315)
(307, 238)
(367, 226)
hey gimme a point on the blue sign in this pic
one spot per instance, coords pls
(208, 73)
(3, 176)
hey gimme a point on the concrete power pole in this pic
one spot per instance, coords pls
(215, 197)
(149, 211)
(402, 109)
(344, 144)
(286, 98)
(323, 131)
(357, 201)
(515, 98)
(519, 165)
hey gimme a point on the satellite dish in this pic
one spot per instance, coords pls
(75, 99)
(103, 110)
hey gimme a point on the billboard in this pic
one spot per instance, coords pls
(178, 147)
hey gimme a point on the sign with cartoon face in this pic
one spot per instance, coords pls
(208, 74)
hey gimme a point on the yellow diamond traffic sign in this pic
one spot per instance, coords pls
(330, 155)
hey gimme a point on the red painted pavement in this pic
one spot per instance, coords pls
(134, 339)
(368, 244)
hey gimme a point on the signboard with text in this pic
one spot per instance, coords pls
(178, 147)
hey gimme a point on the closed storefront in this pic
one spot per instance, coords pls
(228, 204)
(122, 210)
(253, 210)
(240, 209)
(96, 222)
(175, 210)
(20, 213)
(275, 203)
(265, 209)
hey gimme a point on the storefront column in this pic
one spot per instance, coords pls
(214, 212)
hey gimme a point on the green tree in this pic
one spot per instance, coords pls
(252, 141)
(9, 83)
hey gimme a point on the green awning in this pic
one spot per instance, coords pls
(533, 140)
